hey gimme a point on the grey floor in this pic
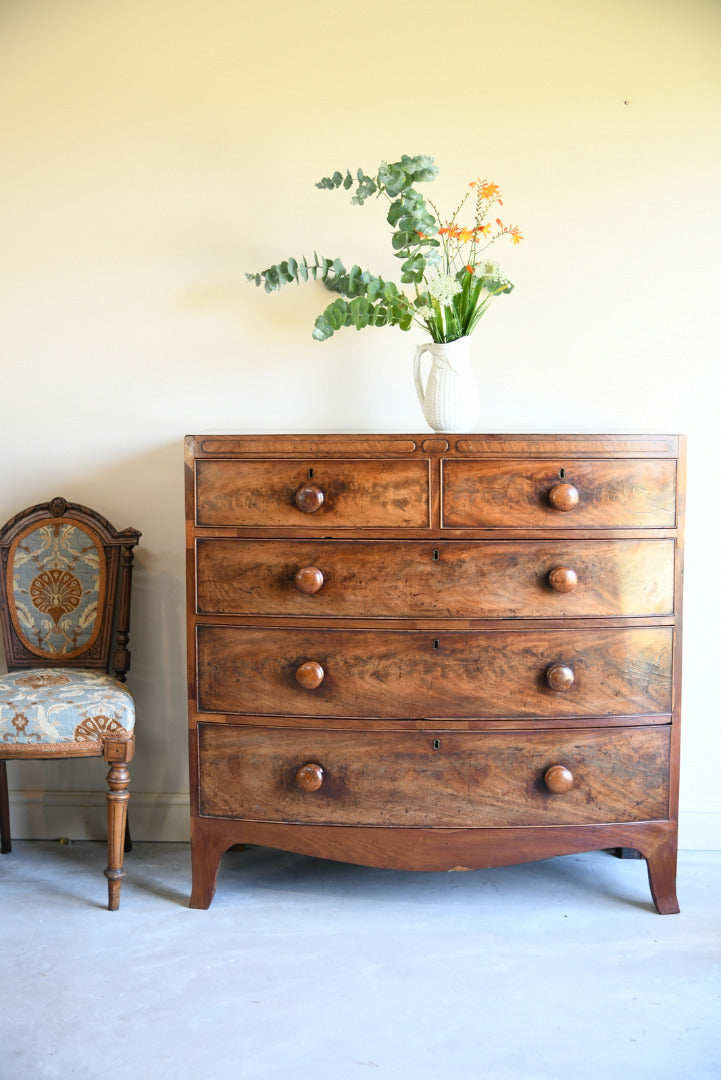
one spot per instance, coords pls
(310, 969)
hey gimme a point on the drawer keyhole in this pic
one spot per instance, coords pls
(436, 643)
(436, 744)
(310, 474)
(436, 555)
(561, 473)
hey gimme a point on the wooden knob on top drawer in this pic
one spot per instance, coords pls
(309, 580)
(309, 498)
(309, 675)
(563, 579)
(559, 677)
(558, 779)
(309, 777)
(563, 497)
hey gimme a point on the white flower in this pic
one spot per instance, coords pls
(443, 287)
(424, 312)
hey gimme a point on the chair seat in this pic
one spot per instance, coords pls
(47, 708)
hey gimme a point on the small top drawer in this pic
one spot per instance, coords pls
(558, 494)
(313, 494)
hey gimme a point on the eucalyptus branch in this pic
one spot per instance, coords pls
(451, 304)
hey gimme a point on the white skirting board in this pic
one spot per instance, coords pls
(165, 817)
(81, 815)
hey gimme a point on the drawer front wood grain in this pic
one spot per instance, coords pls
(520, 494)
(451, 579)
(426, 674)
(313, 494)
(446, 779)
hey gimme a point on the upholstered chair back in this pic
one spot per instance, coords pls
(64, 589)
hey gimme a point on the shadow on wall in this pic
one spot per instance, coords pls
(145, 492)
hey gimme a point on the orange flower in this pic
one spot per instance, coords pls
(515, 232)
(487, 190)
(471, 269)
(485, 229)
(464, 235)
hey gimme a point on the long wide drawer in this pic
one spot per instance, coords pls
(446, 779)
(529, 494)
(426, 674)
(313, 494)
(423, 579)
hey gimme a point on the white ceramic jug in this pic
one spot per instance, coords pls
(449, 398)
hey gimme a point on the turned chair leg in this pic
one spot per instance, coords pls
(117, 797)
(5, 841)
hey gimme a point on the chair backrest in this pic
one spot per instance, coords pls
(65, 576)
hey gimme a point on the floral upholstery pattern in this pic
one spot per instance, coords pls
(59, 705)
(58, 588)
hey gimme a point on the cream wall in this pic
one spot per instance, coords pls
(155, 150)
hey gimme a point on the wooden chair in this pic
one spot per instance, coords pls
(65, 575)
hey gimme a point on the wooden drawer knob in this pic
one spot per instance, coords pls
(309, 498)
(309, 675)
(309, 777)
(559, 677)
(309, 580)
(563, 579)
(558, 779)
(563, 497)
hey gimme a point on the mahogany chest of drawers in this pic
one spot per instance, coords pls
(434, 652)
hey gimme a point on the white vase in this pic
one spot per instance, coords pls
(449, 398)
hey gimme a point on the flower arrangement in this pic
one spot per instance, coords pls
(453, 279)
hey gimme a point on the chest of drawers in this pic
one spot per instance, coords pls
(434, 652)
